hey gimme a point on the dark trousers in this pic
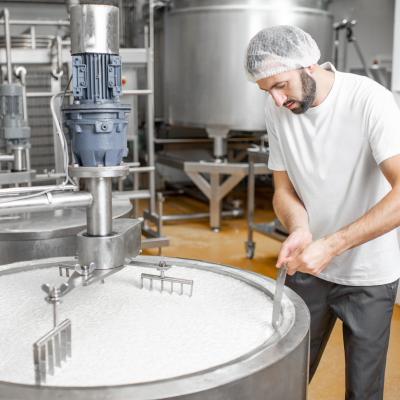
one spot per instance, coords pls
(366, 313)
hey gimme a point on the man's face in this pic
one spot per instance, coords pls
(294, 90)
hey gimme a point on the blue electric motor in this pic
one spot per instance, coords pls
(96, 121)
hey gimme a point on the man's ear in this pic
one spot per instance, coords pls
(310, 70)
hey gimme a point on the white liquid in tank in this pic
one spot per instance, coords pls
(123, 335)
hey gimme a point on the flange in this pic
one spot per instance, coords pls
(98, 172)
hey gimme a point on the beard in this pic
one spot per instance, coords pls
(309, 88)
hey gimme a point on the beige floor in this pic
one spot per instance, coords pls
(195, 240)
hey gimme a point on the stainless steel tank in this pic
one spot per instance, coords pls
(32, 236)
(275, 370)
(205, 42)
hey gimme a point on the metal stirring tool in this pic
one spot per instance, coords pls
(277, 305)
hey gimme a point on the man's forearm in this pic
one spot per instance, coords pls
(290, 210)
(380, 219)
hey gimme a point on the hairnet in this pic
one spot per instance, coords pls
(279, 49)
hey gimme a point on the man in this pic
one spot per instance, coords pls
(335, 155)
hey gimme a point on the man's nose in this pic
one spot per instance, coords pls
(279, 98)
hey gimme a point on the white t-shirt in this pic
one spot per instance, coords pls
(332, 154)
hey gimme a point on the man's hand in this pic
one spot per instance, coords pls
(294, 244)
(312, 259)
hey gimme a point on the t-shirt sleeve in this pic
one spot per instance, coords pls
(276, 161)
(384, 127)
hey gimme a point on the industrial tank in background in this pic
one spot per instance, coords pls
(205, 41)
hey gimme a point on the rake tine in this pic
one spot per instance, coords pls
(50, 353)
(171, 280)
(69, 340)
(36, 364)
(57, 349)
(42, 363)
(63, 336)
(51, 350)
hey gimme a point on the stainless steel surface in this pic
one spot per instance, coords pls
(99, 213)
(52, 224)
(115, 250)
(280, 283)
(20, 72)
(10, 178)
(28, 163)
(274, 229)
(149, 44)
(49, 176)
(6, 157)
(205, 43)
(38, 22)
(19, 164)
(98, 172)
(45, 202)
(220, 148)
(6, 21)
(29, 41)
(214, 189)
(25, 190)
(199, 216)
(133, 194)
(256, 375)
(46, 234)
(137, 92)
(257, 154)
(94, 29)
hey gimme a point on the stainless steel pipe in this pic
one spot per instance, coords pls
(6, 157)
(19, 164)
(45, 202)
(21, 73)
(219, 147)
(99, 214)
(25, 190)
(37, 22)
(7, 34)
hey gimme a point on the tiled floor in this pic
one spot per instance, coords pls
(195, 240)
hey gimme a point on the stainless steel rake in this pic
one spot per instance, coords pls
(54, 348)
(170, 281)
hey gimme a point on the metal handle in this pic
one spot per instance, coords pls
(280, 283)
